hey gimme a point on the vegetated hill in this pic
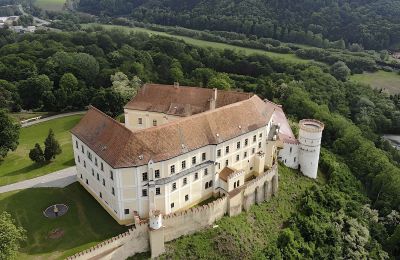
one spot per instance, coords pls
(373, 23)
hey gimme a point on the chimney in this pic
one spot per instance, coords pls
(213, 100)
(176, 84)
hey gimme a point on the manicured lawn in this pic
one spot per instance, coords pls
(51, 5)
(202, 43)
(85, 224)
(17, 166)
(388, 81)
(246, 235)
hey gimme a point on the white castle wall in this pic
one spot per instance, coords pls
(310, 135)
(289, 155)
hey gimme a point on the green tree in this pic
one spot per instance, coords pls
(221, 81)
(52, 147)
(125, 87)
(340, 71)
(9, 134)
(68, 83)
(36, 154)
(11, 237)
(33, 89)
(176, 71)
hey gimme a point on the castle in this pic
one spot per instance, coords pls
(182, 145)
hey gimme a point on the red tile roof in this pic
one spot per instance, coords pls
(181, 100)
(120, 147)
(225, 173)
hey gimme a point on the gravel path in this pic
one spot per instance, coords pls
(52, 117)
(58, 179)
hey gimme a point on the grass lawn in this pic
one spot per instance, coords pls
(85, 224)
(50, 5)
(246, 235)
(389, 81)
(202, 43)
(18, 167)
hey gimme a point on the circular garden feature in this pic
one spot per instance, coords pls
(55, 211)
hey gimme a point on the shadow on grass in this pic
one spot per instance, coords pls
(24, 170)
(86, 222)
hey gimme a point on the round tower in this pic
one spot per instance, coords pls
(310, 135)
(155, 221)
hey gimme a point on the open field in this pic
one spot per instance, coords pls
(18, 167)
(50, 5)
(202, 43)
(85, 224)
(388, 81)
(246, 235)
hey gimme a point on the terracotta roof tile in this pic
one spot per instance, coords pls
(182, 100)
(120, 147)
(225, 173)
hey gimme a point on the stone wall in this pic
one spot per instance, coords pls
(175, 225)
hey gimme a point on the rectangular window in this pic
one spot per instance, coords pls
(253, 150)
(144, 176)
(226, 163)
(291, 149)
(259, 145)
(186, 197)
(260, 135)
(174, 186)
(157, 174)
(238, 145)
(81, 176)
(245, 155)
(219, 153)
(205, 172)
(184, 181)
(140, 120)
(154, 122)
(102, 167)
(294, 159)
(172, 205)
(79, 159)
(196, 176)
(84, 164)
(113, 191)
(203, 156)
(246, 142)
(101, 195)
(172, 169)
(158, 191)
(83, 149)
(104, 182)
(254, 138)
(194, 160)
(89, 155)
(87, 182)
(111, 175)
(227, 150)
(183, 165)
(98, 177)
(95, 161)
(76, 144)
(92, 172)
(237, 157)
(126, 211)
(144, 192)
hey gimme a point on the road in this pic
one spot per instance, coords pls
(58, 179)
(36, 19)
(51, 118)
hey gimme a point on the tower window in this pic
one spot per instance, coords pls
(87, 181)
(98, 177)
(101, 195)
(112, 191)
(291, 148)
(104, 182)
(84, 164)
(92, 172)
(157, 174)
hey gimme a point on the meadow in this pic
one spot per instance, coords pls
(50, 5)
(387, 81)
(17, 166)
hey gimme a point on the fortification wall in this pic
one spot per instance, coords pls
(191, 220)
(175, 225)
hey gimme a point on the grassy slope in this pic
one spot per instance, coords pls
(202, 43)
(85, 224)
(389, 81)
(50, 5)
(17, 166)
(246, 235)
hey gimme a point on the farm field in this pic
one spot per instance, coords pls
(18, 167)
(50, 5)
(202, 43)
(85, 224)
(387, 81)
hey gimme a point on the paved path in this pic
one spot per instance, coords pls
(58, 179)
(52, 117)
